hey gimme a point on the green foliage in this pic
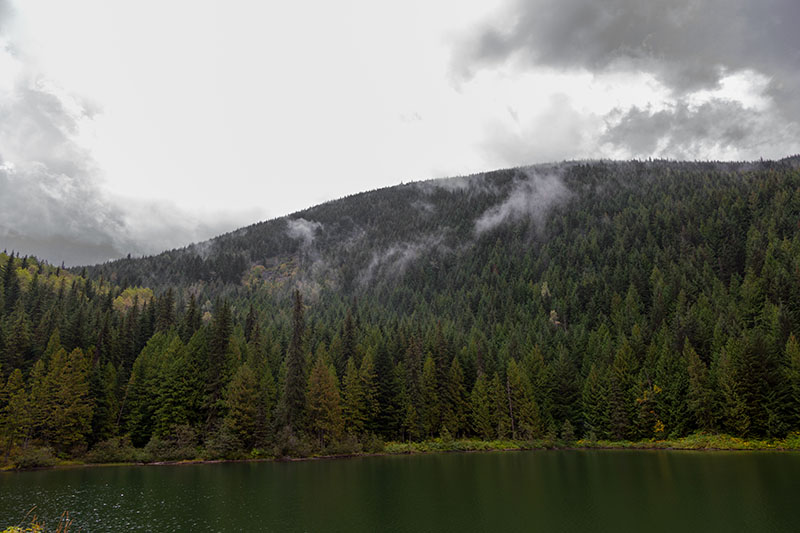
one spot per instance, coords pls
(652, 300)
(324, 407)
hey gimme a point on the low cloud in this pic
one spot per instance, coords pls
(393, 261)
(52, 201)
(303, 230)
(685, 131)
(689, 48)
(531, 197)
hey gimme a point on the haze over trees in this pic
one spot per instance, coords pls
(607, 300)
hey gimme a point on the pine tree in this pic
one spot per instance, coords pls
(11, 289)
(18, 339)
(353, 406)
(672, 378)
(595, 403)
(792, 359)
(733, 411)
(430, 414)
(563, 388)
(173, 389)
(481, 408)
(455, 400)
(323, 408)
(165, 311)
(699, 397)
(242, 404)
(191, 320)
(15, 417)
(412, 390)
(293, 398)
(498, 396)
(522, 409)
(219, 363)
(140, 400)
(369, 391)
(40, 398)
(621, 398)
(389, 414)
(68, 383)
(106, 403)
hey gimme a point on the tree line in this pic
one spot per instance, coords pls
(660, 300)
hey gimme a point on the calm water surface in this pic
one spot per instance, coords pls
(512, 491)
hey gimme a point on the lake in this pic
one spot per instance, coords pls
(502, 491)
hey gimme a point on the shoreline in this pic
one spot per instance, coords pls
(699, 443)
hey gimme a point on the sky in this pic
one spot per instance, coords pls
(135, 127)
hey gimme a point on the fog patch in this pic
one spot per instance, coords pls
(302, 230)
(393, 261)
(531, 197)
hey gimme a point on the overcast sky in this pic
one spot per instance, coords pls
(133, 127)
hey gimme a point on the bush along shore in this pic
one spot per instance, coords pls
(119, 451)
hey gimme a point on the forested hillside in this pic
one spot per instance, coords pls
(611, 300)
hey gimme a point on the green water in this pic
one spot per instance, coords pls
(513, 491)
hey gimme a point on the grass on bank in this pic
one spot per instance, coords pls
(120, 451)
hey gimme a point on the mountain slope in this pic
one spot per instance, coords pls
(621, 300)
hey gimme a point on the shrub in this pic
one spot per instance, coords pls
(34, 457)
(179, 444)
(115, 450)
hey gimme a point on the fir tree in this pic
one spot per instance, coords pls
(455, 403)
(323, 403)
(523, 412)
(430, 414)
(353, 405)
(242, 404)
(481, 408)
(15, 418)
(700, 397)
(369, 388)
(595, 401)
(293, 398)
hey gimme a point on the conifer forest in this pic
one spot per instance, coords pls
(618, 301)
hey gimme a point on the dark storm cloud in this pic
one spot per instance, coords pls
(51, 201)
(688, 45)
(692, 132)
(52, 204)
(47, 192)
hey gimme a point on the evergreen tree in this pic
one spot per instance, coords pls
(389, 384)
(481, 408)
(523, 412)
(106, 403)
(455, 402)
(68, 384)
(323, 408)
(595, 402)
(15, 417)
(353, 405)
(732, 410)
(700, 397)
(369, 391)
(792, 358)
(429, 399)
(242, 403)
(621, 395)
(18, 339)
(11, 288)
(500, 413)
(219, 362)
(293, 398)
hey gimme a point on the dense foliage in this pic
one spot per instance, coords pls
(603, 300)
